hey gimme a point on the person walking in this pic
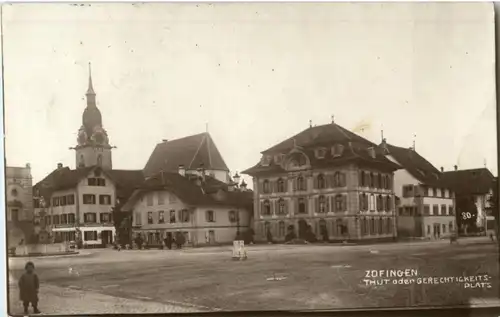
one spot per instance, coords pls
(179, 240)
(28, 288)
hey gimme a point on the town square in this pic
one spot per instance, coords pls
(221, 164)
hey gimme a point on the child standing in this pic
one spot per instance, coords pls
(28, 288)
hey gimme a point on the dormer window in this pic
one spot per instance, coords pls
(320, 153)
(266, 160)
(371, 152)
(278, 159)
(337, 150)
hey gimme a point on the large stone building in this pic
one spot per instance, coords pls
(206, 210)
(19, 203)
(78, 204)
(476, 184)
(326, 181)
(426, 206)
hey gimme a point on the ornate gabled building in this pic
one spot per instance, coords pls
(426, 204)
(190, 153)
(326, 183)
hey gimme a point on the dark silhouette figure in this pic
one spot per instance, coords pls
(28, 288)
(269, 237)
(168, 241)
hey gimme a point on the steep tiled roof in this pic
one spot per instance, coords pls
(191, 151)
(355, 150)
(65, 178)
(472, 181)
(319, 135)
(416, 165)
(193, 194)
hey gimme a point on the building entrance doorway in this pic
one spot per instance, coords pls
(302, 229)
(107, 237)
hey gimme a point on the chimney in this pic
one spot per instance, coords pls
(59, 166)
(182, 170)
(442, 169)
(456, 167)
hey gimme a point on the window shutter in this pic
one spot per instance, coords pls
(327, 202)
(296, 206)
(286, 206)
(334, 203)
(274, 186)
(316, 204)
(344, 203)
(342, 180)
(276, 207)
(285, 184)
(261, 208)
(294, 181)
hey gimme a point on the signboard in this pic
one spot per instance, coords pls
(239, 252)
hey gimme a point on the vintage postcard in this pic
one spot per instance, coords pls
(208, 157)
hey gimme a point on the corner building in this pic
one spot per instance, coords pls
(325, 180)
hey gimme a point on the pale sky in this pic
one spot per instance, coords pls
(257, 73)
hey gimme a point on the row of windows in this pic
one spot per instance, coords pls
(374, 226)
(160, 198)
(380, 203)
(63, 200)
(90, 199)
(369, 179)
(439, 229)
(65, 219)
(96, 181)
(321, 181)
(183, 216)
(437, 210)
(413, 190)
(322, 204)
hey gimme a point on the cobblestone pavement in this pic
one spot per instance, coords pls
(56, 300)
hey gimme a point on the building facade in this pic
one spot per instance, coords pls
(19, 203)
(327, 183)
(426, 205)
(477, 185)
(205, 210)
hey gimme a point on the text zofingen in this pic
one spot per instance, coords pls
(410, 276)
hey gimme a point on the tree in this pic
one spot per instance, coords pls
(492, 208)
(121, 221)
(466, 212)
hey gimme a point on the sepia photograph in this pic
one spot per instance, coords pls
(219, 157)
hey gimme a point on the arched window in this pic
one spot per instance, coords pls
(339, 202)
(267, 207)
(302, 206)
(82, 161)
(379, 203)
(281, 206)
(321, 181)
(388, 203)
(266, 186)
(301, 183)
(336, 179)
(99, 160)
(281, 185)
(281, 229)
(322, 204)
(381, 226)
(302, 160)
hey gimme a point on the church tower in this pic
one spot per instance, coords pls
(93, 147)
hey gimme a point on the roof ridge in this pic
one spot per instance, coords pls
(183, 138)
(208, 149)
(197, 151)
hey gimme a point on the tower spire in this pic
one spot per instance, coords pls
(90, 90)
